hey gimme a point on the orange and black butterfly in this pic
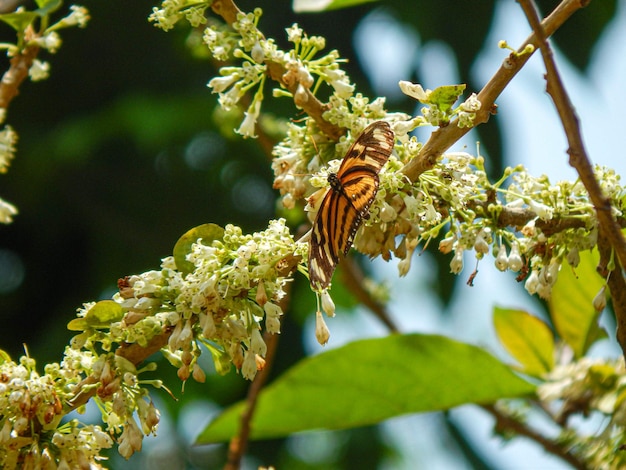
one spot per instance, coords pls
(347, 202)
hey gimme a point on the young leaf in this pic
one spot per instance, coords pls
(100, 315)
(371, 380)
(571, 304)
(19, 20)
(4, 357)
(206, 232)
(301, 6)
(47, 7)
(445, 96)
(526, 338)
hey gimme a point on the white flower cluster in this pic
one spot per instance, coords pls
(50, 40)
(236, 285)
(172, 11)
(557, 221)
(237, 282)
(32, 404)
(243, 41)
(584, 387)
(550, 223)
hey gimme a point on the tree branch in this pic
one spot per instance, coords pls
(580, 161)
(443, 138)
(18, 71)
(508, 424)
(353, 280)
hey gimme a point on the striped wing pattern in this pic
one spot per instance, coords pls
(347, 202)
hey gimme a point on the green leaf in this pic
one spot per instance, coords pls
(302, 6)
(371, 380)
(19, 20)
(445, 96)
(526, 338)
(206, 232)
(100, 315)
(48, 6)
(571, 304)
(4, 357)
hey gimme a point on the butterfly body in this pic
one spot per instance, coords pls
(347, 202)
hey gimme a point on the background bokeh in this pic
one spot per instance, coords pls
(121, 151)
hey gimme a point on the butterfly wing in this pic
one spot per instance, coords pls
(352, 191)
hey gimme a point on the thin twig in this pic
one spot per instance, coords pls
(443, 138)
(507, 423)
(239, 443)
(580, 161)
(353, 279)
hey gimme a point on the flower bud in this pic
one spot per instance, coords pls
(515, 260)
(322, 334)
(456, 265)
(599, 301)
(502, 260)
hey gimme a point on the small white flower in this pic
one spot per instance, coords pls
(481, 245)
(195, 16)
(414, 90)
(446, 245)
(164, 18)
(300, 97)
(387, 213)
(532, 283)
(405, 264)
(50, 42)
(272, 317)
(39, 70)
(249, 368)
(401, 128)
(257, 53)
(79, 16)
(304, 77)
(257, 345)
(543, 211)
(248, 126)
(431, 215)
(544, 290)
(294, 33)
(341, 83)
(466, 119)
(471, 104)
(220, 84)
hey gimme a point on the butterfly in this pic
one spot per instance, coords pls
(347, 202)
